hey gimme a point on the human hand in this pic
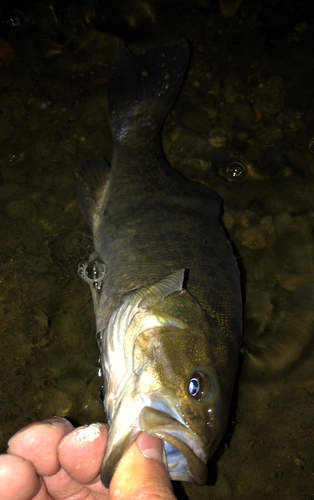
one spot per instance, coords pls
(51, 460)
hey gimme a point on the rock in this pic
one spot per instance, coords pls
(198, 121)
(230, 95)
(228, 220)
(6, 130)
(196, 169)
(13, 174)
(24, 209)
(297, 160)
(268, 135)
(264, 271)
(271, 99)
(281, 222)
(188, 142)
(229, 8)
(244, 112)
(6, 78)
(52, 401)
(259, 237)
(217, 138)
(7, 189)
(95, 110)
(210, 110)
(41, 318)
(246, 218)
(214, 88)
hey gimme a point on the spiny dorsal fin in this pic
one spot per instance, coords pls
(93, 179)
(158, 292)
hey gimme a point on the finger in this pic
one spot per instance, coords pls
(38, 443)
(142, 473)
(81, 452)
(18, 479)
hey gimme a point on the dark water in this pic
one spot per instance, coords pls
(243, 124)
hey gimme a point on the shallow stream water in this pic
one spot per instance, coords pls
(244, 125)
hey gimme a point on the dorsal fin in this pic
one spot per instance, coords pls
(93, 176)
(158, 292)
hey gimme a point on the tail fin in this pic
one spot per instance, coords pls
(144, 87)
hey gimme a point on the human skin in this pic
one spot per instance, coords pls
(50, 460)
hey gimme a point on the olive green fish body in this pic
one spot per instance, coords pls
(166, 284)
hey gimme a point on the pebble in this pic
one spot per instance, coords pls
(264, 271)
(198, 121)
(228, 220)
(286, 116)
(195, 168)
(6, 130)
(24, 209)
(217, 138)
(246, 218)
(282, 221)
(187, 140)
(271, 99)
(214, 88)
(41, 318)
(34, 123)
(260, 237)
(227, 118)
(230, 95)
(95, 110)
(6, 78)
(11, 174)
(210, 110)
(42, 149)
(293, 197)
(244, 112)
(268, 135)
(8, 189)
(189, 90)
(54, 401)
(297, 159)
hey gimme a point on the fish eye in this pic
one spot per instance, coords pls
(194, 386)
(201, 386)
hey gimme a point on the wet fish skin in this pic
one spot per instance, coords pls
(164, 280)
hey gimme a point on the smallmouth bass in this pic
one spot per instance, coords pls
(164, 279)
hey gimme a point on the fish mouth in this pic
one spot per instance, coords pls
(182, 448)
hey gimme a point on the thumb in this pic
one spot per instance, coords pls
(141, 474)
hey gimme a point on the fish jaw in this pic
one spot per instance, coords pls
(184, 454)
(186, 460)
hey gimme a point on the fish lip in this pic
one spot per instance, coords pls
(163, 423)
(112, 459)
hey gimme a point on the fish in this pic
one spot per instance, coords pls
(163, 275)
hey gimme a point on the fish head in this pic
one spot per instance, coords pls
(173, 391)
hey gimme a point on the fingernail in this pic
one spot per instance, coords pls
(58, 421)
(151, 446)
